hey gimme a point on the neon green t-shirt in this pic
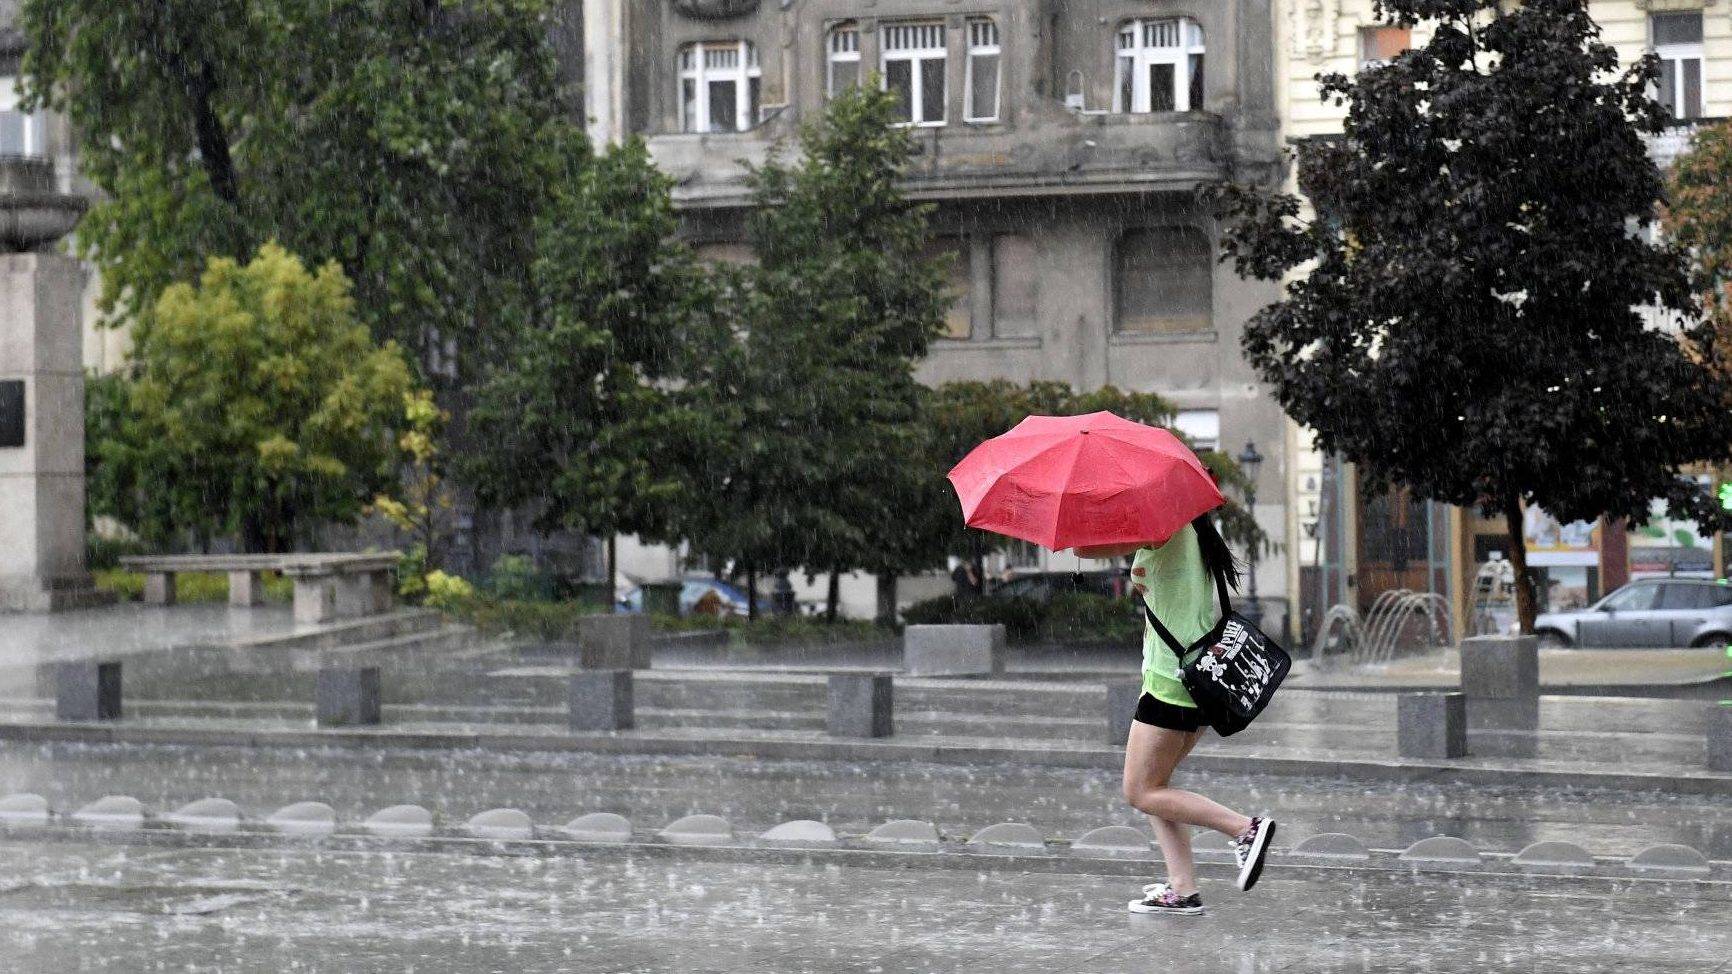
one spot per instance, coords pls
(1181, 594)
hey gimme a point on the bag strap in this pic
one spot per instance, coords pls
(1167, 634)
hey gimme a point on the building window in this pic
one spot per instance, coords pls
(844, 59)
(1165, 283)
(21, 133)
(719, 86)
(914, 70)
(1159, 66)
(1678, 42)
(1381, 44)
(1014, 286)
(983, 62)
(957, 272)
(1201, 426)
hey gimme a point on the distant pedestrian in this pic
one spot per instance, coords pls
(1176, 579)
(966, 578)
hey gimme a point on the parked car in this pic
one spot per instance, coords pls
(1042, 586)
(1648, 612)
(730, 600)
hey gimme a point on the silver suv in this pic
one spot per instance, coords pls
(1649, 612)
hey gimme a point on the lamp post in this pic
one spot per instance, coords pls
(1250, 460)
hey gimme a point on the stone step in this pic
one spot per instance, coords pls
(349, 631)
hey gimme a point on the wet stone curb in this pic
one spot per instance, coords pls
(934, 751)
(1109, 850)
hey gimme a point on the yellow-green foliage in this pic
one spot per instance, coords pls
(190, 586)
(257, 401)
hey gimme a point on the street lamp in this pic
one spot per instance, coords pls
(1250, 460)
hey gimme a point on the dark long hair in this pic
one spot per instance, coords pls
(1217, 557)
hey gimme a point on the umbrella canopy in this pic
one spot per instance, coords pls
(1069, 481)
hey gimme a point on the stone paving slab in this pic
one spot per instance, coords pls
(1560, 669)
(70, 907)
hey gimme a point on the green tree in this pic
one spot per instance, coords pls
(819, 389)
(1465, 314)
(407, 140)
(1698, 219)
(254, 404)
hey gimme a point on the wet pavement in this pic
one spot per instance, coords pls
(90, 908)
(851, 796)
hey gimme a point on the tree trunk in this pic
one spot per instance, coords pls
(751, 595)
(886, 600)
(612, 564)
(833, 598)
(1518, 556)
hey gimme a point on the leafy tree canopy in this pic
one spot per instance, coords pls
(583, 417)
(818, 390)
(1465, 315)
(407, 140)
(1699, 220)
(257, 403)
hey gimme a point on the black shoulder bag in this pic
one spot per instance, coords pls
(1232, 671)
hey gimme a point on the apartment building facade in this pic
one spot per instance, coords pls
(1061, 144)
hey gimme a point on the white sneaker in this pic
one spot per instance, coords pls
(1251, 849)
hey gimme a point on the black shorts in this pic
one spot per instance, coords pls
(1160, 713)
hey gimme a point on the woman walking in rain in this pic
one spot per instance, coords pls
(1178, 581)
(1107, 487)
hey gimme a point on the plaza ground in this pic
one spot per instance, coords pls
(105, 908)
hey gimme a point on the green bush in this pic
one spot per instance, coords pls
(551, 621)
(1021, 618)
(513, 578)
(189, 587)
(1075, 617)
(101, 552)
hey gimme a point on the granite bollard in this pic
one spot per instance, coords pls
(599, 700)
(347, 696)
(1500, 667)
(1122, 697)
(1431, 725)
(861, 705)
(953, 650)
(1720, 737)
(614, 641)
(87, 690)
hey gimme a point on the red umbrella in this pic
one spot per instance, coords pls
(1069, 481)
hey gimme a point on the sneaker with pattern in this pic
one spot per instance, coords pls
(1161, 898)
(1251, 848)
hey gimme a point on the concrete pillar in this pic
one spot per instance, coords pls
(614, 641)
(599, 700)
(1500, 677)
(347, 696)
(315, 599)
(159, 588)
(953, 650)
(1431, 725)
(41, 397)
(861, 705)
(1720, 737)
(353, 594)
(246, 588)
(87, 690)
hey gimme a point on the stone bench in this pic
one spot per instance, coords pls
(332, 585)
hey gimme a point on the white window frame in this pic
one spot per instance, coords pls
(1144, 42)
(983, 42)
(1672, 58)
(914, 43)
(35, 123)
(702, 62)
(841, 47)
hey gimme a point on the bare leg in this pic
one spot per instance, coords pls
(1175, 840)
(1151, 755)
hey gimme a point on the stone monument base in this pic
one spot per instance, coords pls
(26, 593)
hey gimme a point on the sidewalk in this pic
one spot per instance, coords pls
(91, 908)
